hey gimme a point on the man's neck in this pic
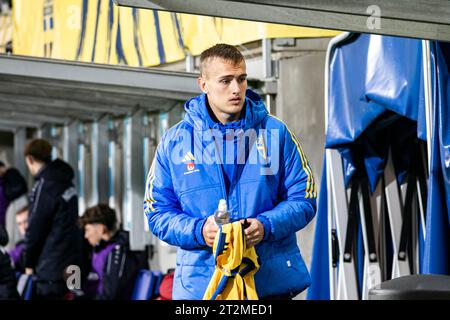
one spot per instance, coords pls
(221, 117)
(109, 235)
(38, 167)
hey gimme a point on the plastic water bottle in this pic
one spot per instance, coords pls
(221, 215)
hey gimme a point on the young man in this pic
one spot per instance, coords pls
(229, 147)
(17, 254)
(114, 264)
(53, 238)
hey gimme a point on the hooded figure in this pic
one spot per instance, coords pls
(53, 238)
(229, 147)
(180, 197)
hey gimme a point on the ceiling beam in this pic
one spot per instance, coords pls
(14, 116)
(423, 19)
(20, 123)
(107, 78)
(48, 110)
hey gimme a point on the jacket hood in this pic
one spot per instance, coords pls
(56, 170)
(197, 112)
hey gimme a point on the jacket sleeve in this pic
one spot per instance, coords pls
(41, 217)
(297, 192)
(162, 208)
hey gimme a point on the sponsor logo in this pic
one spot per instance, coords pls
(189, 159)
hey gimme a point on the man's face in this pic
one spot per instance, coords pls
(94, 233)
(225, 84)
(22, 221)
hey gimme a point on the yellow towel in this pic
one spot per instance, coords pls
(236, 265)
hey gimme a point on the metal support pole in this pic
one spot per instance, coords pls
(190, 63)
(267, 58)
(271, 104)
(175, 115)
(44, 132)
(99, 162)
(20, 137)
(70, 148)
(394, 205)
(346, 282)
(372, 271)
(81, 168)
(133, 217)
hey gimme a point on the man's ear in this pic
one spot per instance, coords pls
(104, 230)
(29, 159)
(202, 84)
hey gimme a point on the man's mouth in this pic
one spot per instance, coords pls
(235, 100)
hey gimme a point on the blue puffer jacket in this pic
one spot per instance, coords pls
(274, 184)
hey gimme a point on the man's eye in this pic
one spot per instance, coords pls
(225, 81)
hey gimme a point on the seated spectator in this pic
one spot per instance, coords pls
(115, 265)
(7, 278)
(17, 254)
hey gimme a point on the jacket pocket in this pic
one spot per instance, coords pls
(195, 280)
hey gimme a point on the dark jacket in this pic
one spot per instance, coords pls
(53, 238)
(15, 184)
(7, 276)
(117, 267)
(4, 203)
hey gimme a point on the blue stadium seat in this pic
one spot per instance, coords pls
(144, 285)
(158, 276)
(25, 286)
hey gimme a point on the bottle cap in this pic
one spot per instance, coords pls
(222, 205)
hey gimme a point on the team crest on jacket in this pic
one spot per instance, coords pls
(260, 146)
(189, 159)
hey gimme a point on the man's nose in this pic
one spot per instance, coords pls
(235, 87)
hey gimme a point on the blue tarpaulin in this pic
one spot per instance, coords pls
(371, 75)
(437, 240)
(376, 102)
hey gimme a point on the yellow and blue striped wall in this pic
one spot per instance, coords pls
(101, 32)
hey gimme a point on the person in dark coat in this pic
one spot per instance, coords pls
(12, 186)
(53, 238)
(7, 277)
(4, 203)
(113, 263)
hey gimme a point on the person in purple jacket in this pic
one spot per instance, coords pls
(113, 263)
(17, 253)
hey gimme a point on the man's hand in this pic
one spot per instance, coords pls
(254, 232)
(28, 271)
(209, 231)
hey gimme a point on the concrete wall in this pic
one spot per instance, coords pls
(300, 104)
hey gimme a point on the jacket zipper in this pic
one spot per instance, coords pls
(219, 169)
